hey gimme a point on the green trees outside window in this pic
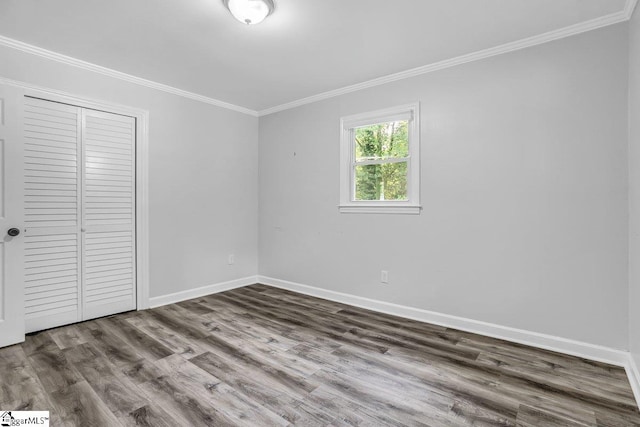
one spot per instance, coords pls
(381, 160)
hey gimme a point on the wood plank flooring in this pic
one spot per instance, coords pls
(260, 356)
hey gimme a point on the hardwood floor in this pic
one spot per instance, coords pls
(260, 356)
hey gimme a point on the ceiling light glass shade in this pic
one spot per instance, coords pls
(250, 12)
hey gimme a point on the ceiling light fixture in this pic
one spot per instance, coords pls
(250, 12)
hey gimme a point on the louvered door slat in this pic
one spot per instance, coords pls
(109, 214)
(50, 173)
(34, 285)
(52, 310)
(30, 160)
(54, 289)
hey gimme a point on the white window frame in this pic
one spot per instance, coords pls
(348, 124)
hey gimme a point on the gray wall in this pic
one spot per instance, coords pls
(634, 186)
(203, 175)
(524, 188)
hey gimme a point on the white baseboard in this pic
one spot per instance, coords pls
(202, 291)
(548, 342)
(634, 376)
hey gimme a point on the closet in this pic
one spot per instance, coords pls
(79, 206)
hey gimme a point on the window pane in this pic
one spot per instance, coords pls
(382, 141)
(381, 182)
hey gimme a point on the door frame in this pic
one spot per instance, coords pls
(142, 170)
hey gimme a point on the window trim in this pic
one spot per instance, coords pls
(348, 204)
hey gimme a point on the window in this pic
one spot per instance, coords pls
(380, 161)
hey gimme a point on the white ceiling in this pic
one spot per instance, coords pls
(305, 48)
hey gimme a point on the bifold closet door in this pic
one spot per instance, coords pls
(52, 242)
(108, 214)
(79, 170)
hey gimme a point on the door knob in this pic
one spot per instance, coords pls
(13, 232)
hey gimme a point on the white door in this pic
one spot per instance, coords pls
(108, 216)
(79, 174)
(52, 206)
(11, 218)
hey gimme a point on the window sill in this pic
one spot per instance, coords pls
(381, 209)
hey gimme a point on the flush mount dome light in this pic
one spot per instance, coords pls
(250, 12)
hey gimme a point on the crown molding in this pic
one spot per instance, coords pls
(78, 63)
(629, 7)
(593, 24)
(68, 98)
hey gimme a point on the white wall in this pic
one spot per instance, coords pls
(634, 186)
(203, 174)
(524, 188)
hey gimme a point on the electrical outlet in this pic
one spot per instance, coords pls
(384, 276)
(232, 259)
